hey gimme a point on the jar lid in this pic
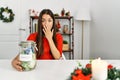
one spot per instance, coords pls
(26, 43)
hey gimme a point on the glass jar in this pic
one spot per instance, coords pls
(27, 55)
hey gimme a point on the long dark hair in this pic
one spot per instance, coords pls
(39, 38)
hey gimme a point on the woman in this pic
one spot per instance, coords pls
(48, 40)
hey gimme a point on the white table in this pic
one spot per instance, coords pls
(45, 70)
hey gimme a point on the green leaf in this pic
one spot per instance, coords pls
(86, 71)
(113, 74)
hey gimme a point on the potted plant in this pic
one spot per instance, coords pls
(65, 45)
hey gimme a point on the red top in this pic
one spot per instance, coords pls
(46, 54)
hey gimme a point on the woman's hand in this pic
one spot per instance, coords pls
(48, 33)
(16, 64)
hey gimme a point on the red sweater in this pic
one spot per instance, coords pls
(46, 54)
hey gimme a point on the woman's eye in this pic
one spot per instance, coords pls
(46, 20)
(49, 20)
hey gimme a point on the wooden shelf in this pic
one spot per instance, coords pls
(34, 17)
(70, 50)
(69, 36)
(56, 17)
(63, 17)
(66, 33)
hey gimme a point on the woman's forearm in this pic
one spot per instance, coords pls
(54, 50)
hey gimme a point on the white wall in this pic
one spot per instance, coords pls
(56, 6)
(105, 29)
(9, 32)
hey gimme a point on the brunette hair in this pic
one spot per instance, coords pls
(40, 35)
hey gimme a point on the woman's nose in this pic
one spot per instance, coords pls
(46, 22)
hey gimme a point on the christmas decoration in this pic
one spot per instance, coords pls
(6, 14)
(67, 13)
(63, 12)
(84, 73)
(34, 13)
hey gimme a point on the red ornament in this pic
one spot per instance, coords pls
(63, 12)
(110, 66)
(88, 65)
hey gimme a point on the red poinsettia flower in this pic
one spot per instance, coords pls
(110, 66)
(88, 65)
(78, 71)
(80, 76)
(74, 77)
(88, 77)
